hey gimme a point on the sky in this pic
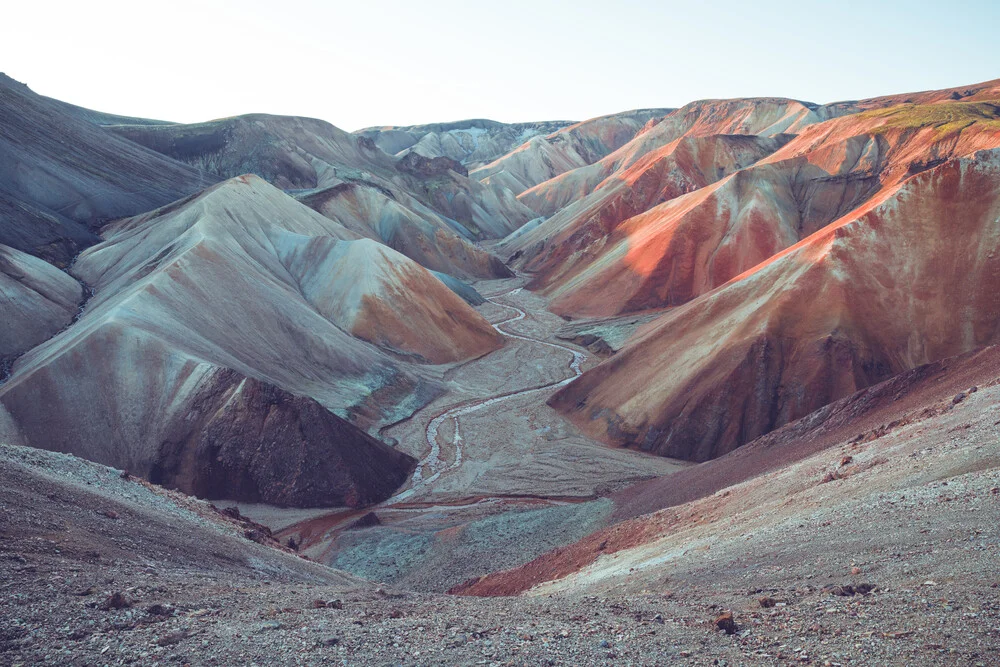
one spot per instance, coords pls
(369, 62)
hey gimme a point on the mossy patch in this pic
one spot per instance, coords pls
(946, 118)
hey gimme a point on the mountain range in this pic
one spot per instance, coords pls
(625, 356)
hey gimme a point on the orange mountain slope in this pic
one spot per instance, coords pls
(909, 279)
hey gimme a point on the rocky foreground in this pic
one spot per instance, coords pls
(871, 561)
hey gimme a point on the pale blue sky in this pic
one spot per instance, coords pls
(365, 63)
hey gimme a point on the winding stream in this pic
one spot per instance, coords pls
(434, 463)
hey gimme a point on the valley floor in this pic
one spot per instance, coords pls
(502, 477)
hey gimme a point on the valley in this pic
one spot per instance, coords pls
(495, 461)
(710, 384)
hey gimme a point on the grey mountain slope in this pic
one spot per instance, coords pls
(62, 176)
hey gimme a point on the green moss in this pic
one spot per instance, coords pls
(946, 118)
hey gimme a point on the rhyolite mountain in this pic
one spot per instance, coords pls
(471, 142)
(546, 156)
(771, 256)
(859, 249)
(227, 307)
(414, 204)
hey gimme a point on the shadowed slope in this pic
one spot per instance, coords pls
(36, 299)
(61, 176)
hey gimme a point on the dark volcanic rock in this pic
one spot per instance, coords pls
(726, 622)
(258, 443)
(368, 520)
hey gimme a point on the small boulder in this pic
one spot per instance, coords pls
(115, 601)
(172, 638)
(726, 622)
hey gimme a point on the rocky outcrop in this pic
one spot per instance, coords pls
(253, 442)
(422, 166)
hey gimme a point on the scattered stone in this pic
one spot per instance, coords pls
(115, 601)
(767, 602)
(847, 460)
(172, 638)
(124, 474)
(89, 590)
(270, 625)
(855, 570)
(232, 513)
(849, 590)
(160, 610)
(605, 643)
(331, 641)
(959, 397)
(78, 634)
(111, 514)
(973, 389)
(725, 621)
